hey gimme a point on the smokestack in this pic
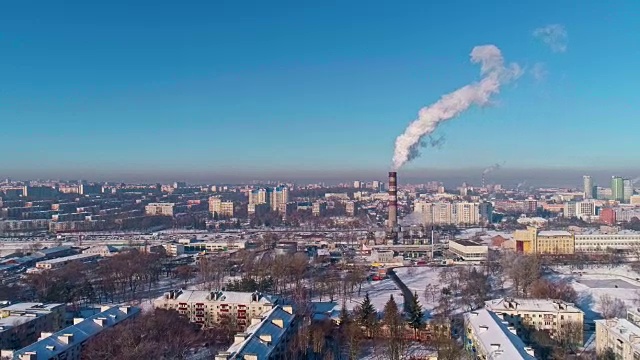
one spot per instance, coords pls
(393, 199)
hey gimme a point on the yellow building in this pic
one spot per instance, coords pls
(533, 241)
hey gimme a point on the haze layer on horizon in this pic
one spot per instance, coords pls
(561, 177)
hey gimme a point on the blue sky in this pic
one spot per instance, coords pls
(226, 86)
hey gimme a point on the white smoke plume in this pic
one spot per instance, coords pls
(634, 181)
(494, 74)
(492, 168)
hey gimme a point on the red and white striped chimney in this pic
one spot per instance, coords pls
(393, 199)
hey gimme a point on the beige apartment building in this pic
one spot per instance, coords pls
(162, 209)
(547, 315)
(621, 336)
(211, 307)
(222, 208)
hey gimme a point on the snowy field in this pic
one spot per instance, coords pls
(379, 293)
(417, 279)
(591, 283)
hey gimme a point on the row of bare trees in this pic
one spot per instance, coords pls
(159, 334)
(114, 279)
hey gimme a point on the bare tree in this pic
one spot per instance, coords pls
(612, 307)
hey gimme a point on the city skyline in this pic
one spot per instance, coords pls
(226, 89)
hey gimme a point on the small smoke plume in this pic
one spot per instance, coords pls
(520, 185)
(494, 75)
(634, 181)
(554, 36)
(492, 168)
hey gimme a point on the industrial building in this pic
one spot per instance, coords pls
(469, 250)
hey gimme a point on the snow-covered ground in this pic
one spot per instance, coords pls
(379, 293)
(417, 279)
(591, 283)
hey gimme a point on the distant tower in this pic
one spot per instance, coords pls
(617, 188)
(393, 199)
(587, 187)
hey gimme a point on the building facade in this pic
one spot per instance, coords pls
(159, 209)
(552, 316)
(533, 241)
(469, 250)
(587, 187)
(207, 308)
(617, 188)
(621, 336)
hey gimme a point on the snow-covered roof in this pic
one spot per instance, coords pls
(262, 337)
(495, 337)
(232, 297)
(530, 305)
(61, 341)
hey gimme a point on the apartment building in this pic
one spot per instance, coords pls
(546, 315)
(453, 213)
(67, 343)
(161, 209)
(266, 338)
(210, 307)
(319, 208)
(221, 208)
(21, 323)
(279, 195)
(621, 336)
(533, 241)
(487, 336)
(352, 208)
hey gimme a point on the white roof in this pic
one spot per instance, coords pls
(495, 337)
(52, 346)
(67, 258)
(254, 343)
(31, 307)
(232, 297)
(530, 305)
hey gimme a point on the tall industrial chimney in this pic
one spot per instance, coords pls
(393, 199)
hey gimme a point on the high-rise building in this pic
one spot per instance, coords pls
(627, 190)
(357, 184)
(587, 187)
(220, 208)
(260, 196)
(279, 195)
(617, 188)
(352, 208)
